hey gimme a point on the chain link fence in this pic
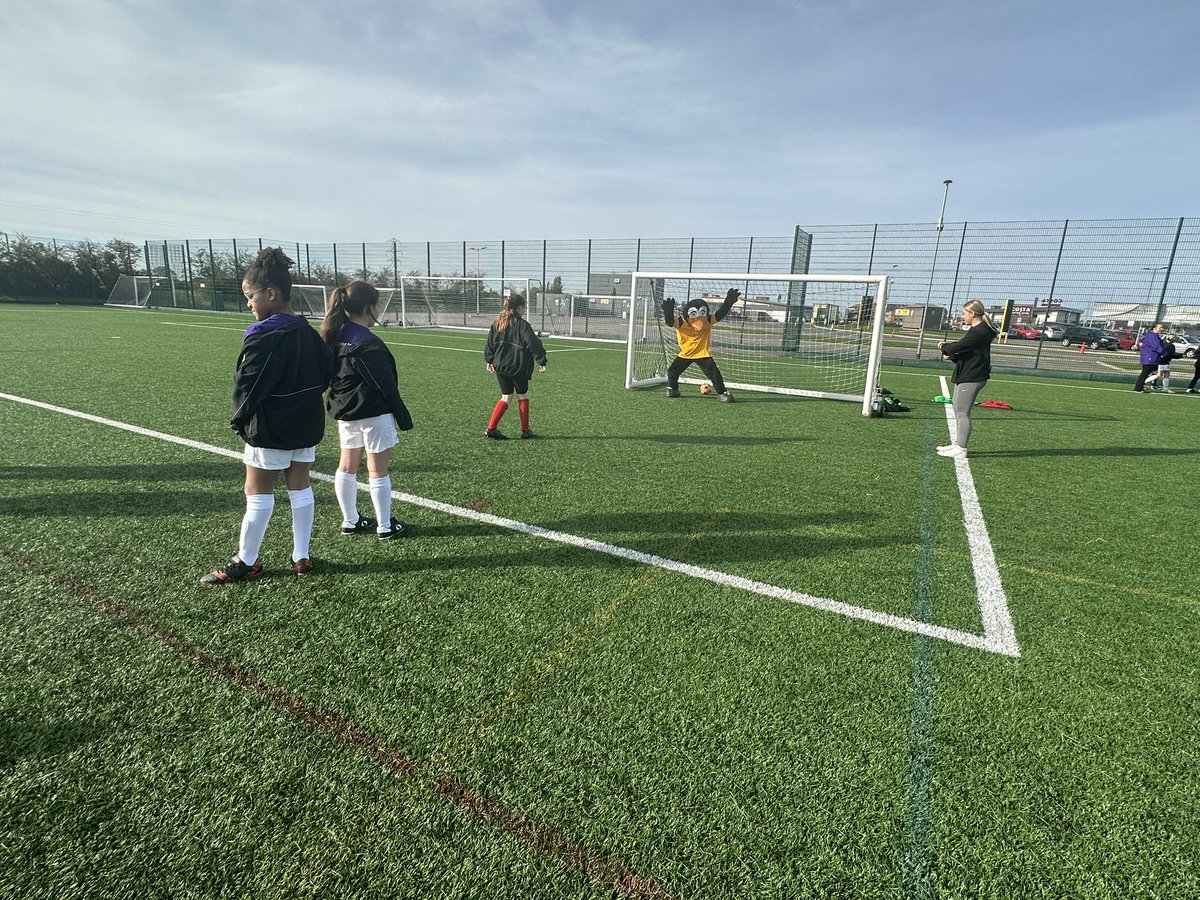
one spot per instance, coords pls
(1116, 274)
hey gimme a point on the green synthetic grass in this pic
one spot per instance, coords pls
(477, 712)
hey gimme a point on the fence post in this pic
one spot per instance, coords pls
(1053, 283)
(187, 264)
(1162, 295)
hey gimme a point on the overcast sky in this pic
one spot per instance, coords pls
(518, 119)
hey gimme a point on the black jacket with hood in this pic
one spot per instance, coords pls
(364, 384)
(281, 374)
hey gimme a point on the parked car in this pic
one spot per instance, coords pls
(1053, 332)
(1126, 338)
(1028, 332)
(1094, 338)
(1187, 345)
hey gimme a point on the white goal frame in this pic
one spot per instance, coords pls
(643, 311)
(134, 291)
(448, 301)
(316, 299)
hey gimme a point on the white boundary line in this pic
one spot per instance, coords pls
(993, 604)
(998, 634)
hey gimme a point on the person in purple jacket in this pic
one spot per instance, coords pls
(281, 375)
(1151, 353)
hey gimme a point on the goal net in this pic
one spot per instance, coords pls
(809, 335)
(135, 290)
(311, 300)
(435, 301)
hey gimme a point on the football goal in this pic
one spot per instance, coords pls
(310, 300)
(809, 335)
(447, 301)
(135, 291)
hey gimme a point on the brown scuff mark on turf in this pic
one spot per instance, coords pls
(543, 840)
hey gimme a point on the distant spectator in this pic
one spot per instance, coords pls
(1163, 375)
(1191, 388)
(1152, 348)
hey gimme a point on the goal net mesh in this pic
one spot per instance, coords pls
(131, 290)
(310, 300)
(433, 301)
(809, 335)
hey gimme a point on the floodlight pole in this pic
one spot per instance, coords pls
(933, 267)
(477, 251)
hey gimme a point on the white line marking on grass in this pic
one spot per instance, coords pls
(993, 640)
(993, 604)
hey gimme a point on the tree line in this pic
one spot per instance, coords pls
(79, 272)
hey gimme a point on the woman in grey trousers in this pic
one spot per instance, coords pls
(972, 356)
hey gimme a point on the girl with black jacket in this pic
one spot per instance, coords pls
(281, 374)
(511, 349)
(972, 357)
(366, 403)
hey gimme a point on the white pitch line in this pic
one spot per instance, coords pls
(987, 642)
(993, 603)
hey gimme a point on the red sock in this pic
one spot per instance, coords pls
(498, 413)
(523, 407)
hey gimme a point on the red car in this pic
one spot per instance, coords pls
(1027, 332)
(1126, 339)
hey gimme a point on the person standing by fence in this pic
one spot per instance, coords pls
(1151, 352)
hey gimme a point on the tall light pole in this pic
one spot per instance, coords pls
(1153, 270)
(477, 250)
(933, 267)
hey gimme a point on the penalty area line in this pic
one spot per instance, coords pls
(993, 640)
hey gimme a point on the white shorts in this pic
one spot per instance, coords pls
(277, 460)
(378, 433)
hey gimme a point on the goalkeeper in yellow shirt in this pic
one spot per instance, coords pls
(694, 331)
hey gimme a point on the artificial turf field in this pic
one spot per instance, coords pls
(570, 680)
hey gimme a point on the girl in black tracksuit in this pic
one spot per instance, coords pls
(366, 403)
(511, 350)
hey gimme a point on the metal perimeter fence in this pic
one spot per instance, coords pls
(1121, 273)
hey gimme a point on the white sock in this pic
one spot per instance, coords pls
(254, 525)
(345, 486)
(381, 499)
(303, 508)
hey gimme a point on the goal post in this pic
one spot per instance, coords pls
(135, 291)
(311, 300)
(447, 301)
(807, 335)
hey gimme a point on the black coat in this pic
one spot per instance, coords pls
(972, 354)
(364, 384)
(277, 387)
(514, 350)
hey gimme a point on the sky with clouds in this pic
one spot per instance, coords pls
(522, 119)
